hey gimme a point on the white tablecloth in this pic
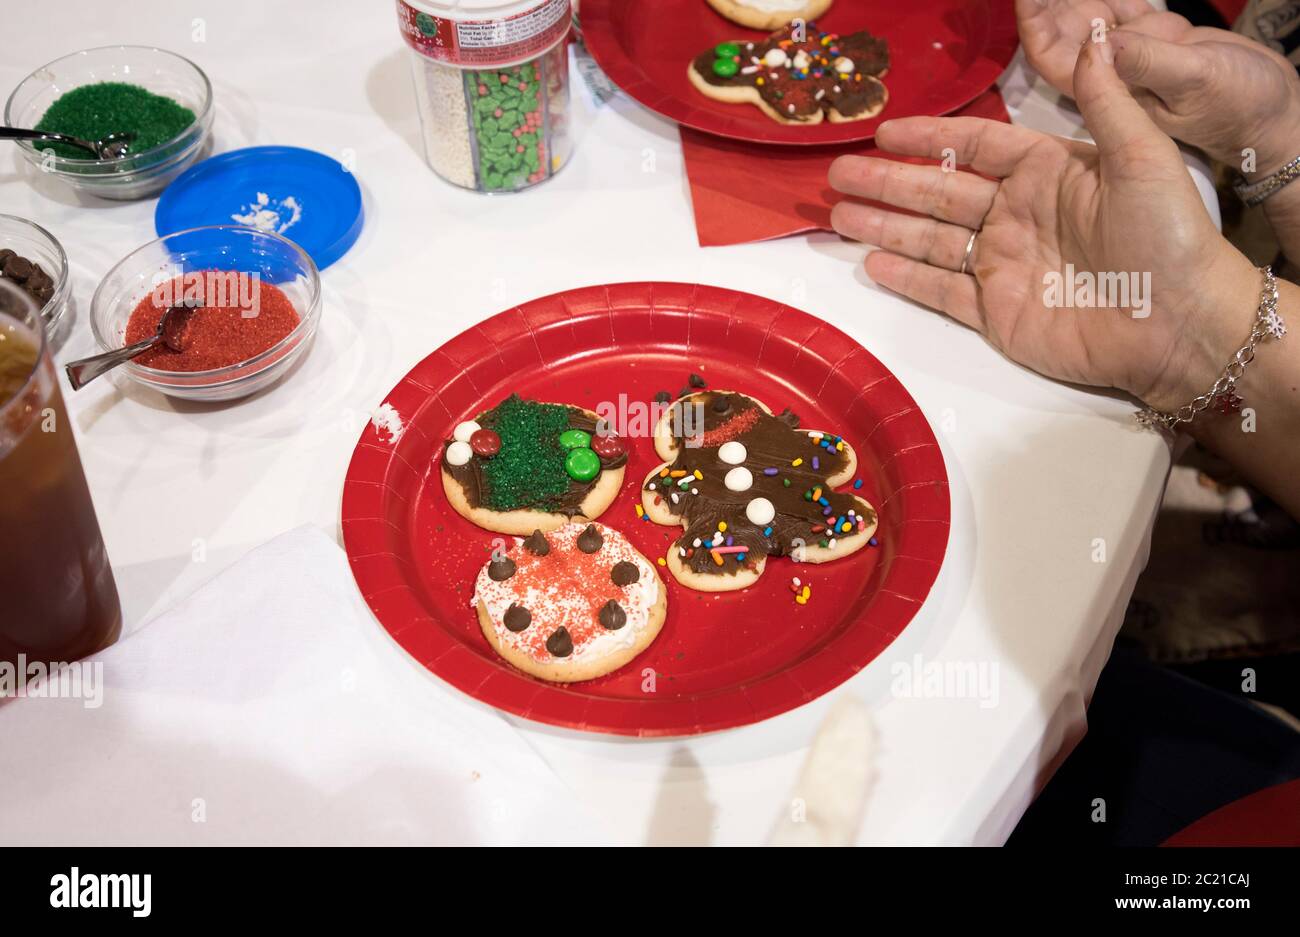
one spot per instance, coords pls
(1041, 473)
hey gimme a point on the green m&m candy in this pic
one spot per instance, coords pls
(575, 439)
(582, 464)
(725, 68)
(726, 50)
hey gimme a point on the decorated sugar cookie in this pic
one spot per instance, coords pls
(526, 465)
(572, 604)
(798, 75)
(769, 14)
(748, 485)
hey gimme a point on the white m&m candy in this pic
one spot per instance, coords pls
(760, 511)
(733, 453)
(739, 479)
(464, 431)
(458, 453)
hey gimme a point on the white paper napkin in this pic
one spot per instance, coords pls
(270, 707)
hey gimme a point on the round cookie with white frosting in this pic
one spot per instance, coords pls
(572, 604)
(769, 14)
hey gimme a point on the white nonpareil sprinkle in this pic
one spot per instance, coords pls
(440, 93)
(386, 419)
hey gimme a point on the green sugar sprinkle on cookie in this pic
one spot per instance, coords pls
(94, 111)
(528, 472)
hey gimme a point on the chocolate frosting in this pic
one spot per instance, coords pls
(770, 442)
(471, 478)
(855, 94)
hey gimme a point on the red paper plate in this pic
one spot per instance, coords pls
(943, 54)
(721, 660)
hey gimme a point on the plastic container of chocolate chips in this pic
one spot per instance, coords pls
(492, 87)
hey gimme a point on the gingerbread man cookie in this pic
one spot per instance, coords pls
(573, 604)
(748, 485)
(799, 75)
(526, 465)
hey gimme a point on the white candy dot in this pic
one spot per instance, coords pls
(739, 479)
(760, 511)
(844, 65)
(458, 453)
(733, 453)
(464, 431)
(775, 58)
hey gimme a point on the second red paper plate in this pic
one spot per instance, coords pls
(721, 660)
(943, 54)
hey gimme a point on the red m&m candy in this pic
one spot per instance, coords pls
(608, 447)
(485, 443)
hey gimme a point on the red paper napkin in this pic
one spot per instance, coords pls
(743, 192)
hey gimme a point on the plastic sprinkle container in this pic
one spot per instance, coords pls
(492, 85)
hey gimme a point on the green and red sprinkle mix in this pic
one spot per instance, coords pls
(508, 125)
(94, 111)
(528, 472)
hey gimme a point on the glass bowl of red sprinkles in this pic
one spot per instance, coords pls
(254, 304)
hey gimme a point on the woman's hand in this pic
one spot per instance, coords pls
(1210, 88)
(1124, 207)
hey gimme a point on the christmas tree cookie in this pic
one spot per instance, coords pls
(525, 465)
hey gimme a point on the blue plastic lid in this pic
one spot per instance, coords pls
(303, 195)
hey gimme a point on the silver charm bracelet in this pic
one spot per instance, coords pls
(1223, 395)
(1252, 193)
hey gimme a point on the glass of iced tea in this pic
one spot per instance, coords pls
(58, 601)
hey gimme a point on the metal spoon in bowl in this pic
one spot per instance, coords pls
(172, 332)
(113, 146)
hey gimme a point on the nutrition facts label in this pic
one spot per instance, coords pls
(512, 31)
(485, 43)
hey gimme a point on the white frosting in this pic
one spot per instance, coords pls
(386, 419)
(733, 453)
(549, 606)
(464, 431)
(802, 60)
(458, 453)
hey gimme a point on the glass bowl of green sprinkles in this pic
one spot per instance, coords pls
(162, 98)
